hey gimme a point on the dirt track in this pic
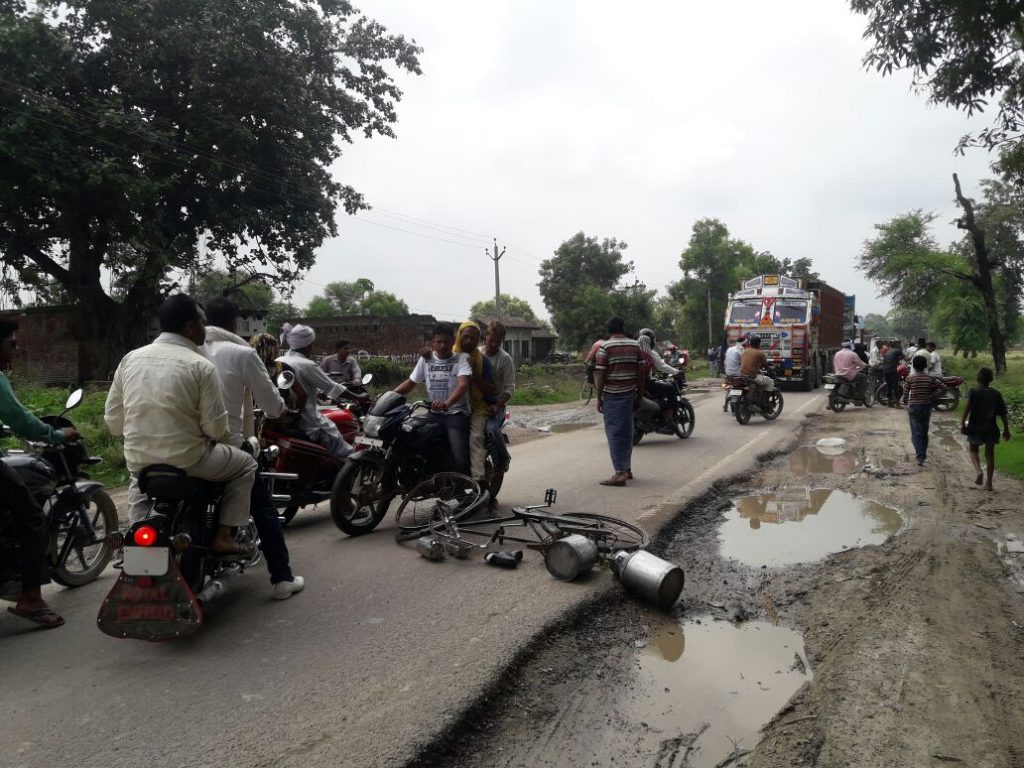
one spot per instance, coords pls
(914, 646)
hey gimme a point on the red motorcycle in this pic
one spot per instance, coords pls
(946, 400)
(297, 455)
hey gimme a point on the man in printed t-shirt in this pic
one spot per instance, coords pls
(447, 377)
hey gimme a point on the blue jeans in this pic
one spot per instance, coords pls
(920, 417)
(268, 525)
(499, 451)
(456, 425)
(618, 428)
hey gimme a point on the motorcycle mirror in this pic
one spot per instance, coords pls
(367, 378)
(74, 399)
(285, 380)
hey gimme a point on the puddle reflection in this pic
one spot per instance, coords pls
(732, 678)
(798, 525)
(569, 427)
(821, 460)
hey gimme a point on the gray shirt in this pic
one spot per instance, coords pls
(503, 368)
(347, 372)
(312, 379)
(732, 360)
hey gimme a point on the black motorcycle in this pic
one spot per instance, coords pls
(81, 514)
(169, 569)
(682, 420)
(843, 392)
(400, 447)
(745, 399)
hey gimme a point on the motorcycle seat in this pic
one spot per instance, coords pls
(167, 483)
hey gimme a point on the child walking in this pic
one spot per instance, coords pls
(984, 405)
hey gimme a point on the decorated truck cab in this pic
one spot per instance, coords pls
(800, 323)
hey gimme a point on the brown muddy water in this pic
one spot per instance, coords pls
(799, 525)
(814, 460)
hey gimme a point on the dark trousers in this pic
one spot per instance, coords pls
(892, 384)
(30, 526)
(661, 390)
(920, 418)
(456, 426)
(268, 525)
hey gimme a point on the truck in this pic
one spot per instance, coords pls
(802, 323)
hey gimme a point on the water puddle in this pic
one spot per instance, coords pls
(572, 427)
(823, 460)
(947, 440)
(799, 525)
(718, 681)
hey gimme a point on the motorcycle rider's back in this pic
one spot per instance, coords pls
(165, 400)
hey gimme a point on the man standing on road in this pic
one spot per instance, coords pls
(341, 366)
(467, 341)
(620, 386)
(244, 377)
(504, 370)
(934, 360)
(165, 400)
(31, 524)
(891, 361)
(917, 396)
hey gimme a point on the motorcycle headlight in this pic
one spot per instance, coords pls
(372, 425)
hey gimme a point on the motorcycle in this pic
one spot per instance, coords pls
(400, 447)
(842, 392)
(80, 512)
(169, 569)
(947, 399)
(683, 419)
(315, 468)
(744, 400)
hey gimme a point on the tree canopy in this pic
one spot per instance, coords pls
(511, 306)
(131, 131)
(247, 291)
(359, 297)
(962, 52)
(586, 283)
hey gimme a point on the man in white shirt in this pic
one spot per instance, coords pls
(312, 379)
(503, 369)
(934, 360)
(447, 376)
(244, 377)
(165, 400)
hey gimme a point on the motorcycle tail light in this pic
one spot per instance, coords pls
(144, 536)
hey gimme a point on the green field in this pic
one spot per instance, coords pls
(1009, 456)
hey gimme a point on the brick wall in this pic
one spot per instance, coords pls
(48, 351)
(377, 335)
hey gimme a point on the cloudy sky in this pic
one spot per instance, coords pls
(535, 120)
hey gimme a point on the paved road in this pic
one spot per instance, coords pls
(380, 652)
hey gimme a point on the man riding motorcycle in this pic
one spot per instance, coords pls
(165, 400)
(751, 363)
(848, 364)
(29, 519)
(659, 391)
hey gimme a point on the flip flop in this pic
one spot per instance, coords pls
(39, 617)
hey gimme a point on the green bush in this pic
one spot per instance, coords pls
(386, 372)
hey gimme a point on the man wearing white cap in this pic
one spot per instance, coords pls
(312, 379)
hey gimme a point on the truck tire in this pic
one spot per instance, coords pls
(808, 377)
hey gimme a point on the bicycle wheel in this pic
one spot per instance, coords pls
(458, 496)
(609, 533)
(586, 391)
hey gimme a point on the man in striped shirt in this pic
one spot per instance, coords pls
(917, 396)
(619, 378)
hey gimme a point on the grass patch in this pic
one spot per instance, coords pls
(88, 418)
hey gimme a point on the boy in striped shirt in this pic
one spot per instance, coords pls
(917, 396)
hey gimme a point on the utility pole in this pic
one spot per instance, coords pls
(711, 341)
(497, 282)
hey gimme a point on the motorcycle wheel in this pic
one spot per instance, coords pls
(742, 412)
(869, 394)
(638, 435)
(84, 563)
(950, 404)
(494, 477)
(776, 396)
(288, 514)
(835, 405)
(686, 420)
(359, 499)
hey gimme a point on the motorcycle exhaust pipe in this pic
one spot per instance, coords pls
(215, 588)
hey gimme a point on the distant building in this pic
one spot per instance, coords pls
(526, 340)
(49, 351)
(387, 336)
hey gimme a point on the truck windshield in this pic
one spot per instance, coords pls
(790, 312)
(745, 312)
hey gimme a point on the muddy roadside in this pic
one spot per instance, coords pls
(902, 647)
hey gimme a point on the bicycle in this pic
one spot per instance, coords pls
(446, 519)
(587, 387)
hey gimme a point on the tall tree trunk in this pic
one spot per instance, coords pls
(983, 279)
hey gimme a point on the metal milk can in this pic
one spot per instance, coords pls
(648, 577)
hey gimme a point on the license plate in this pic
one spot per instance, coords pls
(830, 386)
(370, 442)
(735, 392)
(145, 561)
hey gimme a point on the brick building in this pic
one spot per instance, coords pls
(49, 351)
(387, 336)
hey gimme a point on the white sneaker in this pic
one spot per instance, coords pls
(285, 589)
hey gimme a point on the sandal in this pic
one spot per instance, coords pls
(47, 618)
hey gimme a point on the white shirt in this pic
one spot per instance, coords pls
(442, 377)
(166, 401)
(241, 371)
(936, 364)
(312, 379)
(732, 360)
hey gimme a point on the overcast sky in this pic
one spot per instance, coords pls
(535, 120)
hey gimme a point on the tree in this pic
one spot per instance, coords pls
(878, 325)
(511, 306)
(319, 307)
(583, 285)
(248, 291)
(961, 53)
(959, 318)
(356, 298)
(130, 132)
(384, 304)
